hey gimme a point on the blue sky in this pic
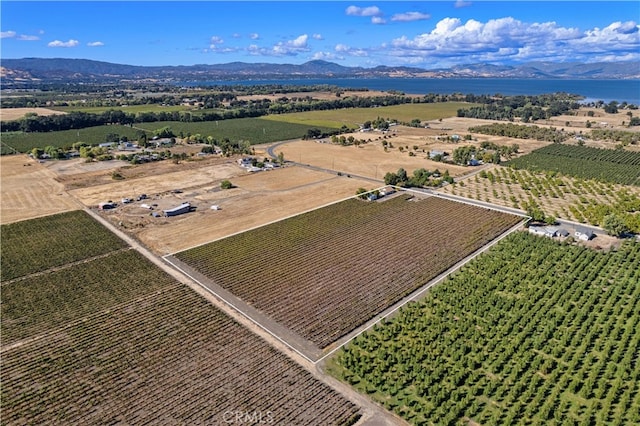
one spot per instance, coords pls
(426, 34)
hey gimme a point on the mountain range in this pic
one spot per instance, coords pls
(28, 71)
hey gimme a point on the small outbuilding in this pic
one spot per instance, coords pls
(182, 208)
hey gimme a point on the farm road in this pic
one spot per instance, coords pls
(372, 414)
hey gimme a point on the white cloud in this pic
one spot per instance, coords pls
(410, 17)
(461, 3)
(286, 48)
(25, 37)
(216, 40)
(299, 42)
(317, 37)
(347, 50)
(511, 40)
(7, 34)
(616, 36)
(254, 49)
(236, 35)
(326, 56)
(363, 11)
(377, 20)
(95, 44)
(58, 43)
(254, 36)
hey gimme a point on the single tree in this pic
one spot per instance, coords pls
(614, 225)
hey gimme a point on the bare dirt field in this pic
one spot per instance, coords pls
(152, 184)
(8, 114)
(75, 174)
(256, 200)
(28, 190)
(79, 166)
(371, 160)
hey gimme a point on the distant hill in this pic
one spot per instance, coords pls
(20, 72)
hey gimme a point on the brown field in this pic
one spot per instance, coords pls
(115, 339)
(324, 273)
(28, 190)
(153, 184)
(76, 173)
(370, 159)
(8, 114)
(256, 200)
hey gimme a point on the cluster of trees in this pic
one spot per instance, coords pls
(548, 134)
(527, 108)
(348, 140)
(625, 138)
(379, 123)
(420, 178)
(487, 152)
(315, 133)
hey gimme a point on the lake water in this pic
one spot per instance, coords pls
(593, 90)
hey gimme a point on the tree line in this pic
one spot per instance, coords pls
(550, 134)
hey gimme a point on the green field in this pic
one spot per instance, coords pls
(254, 130)
(533, 332)
(606, 165)
(355, 116)
(43, 243)
(25, 142)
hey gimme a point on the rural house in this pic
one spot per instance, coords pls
(583, 234)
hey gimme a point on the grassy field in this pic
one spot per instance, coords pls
(533, 332)
(25, 142)
(254, 130)
(113, 339)
(355, 116)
